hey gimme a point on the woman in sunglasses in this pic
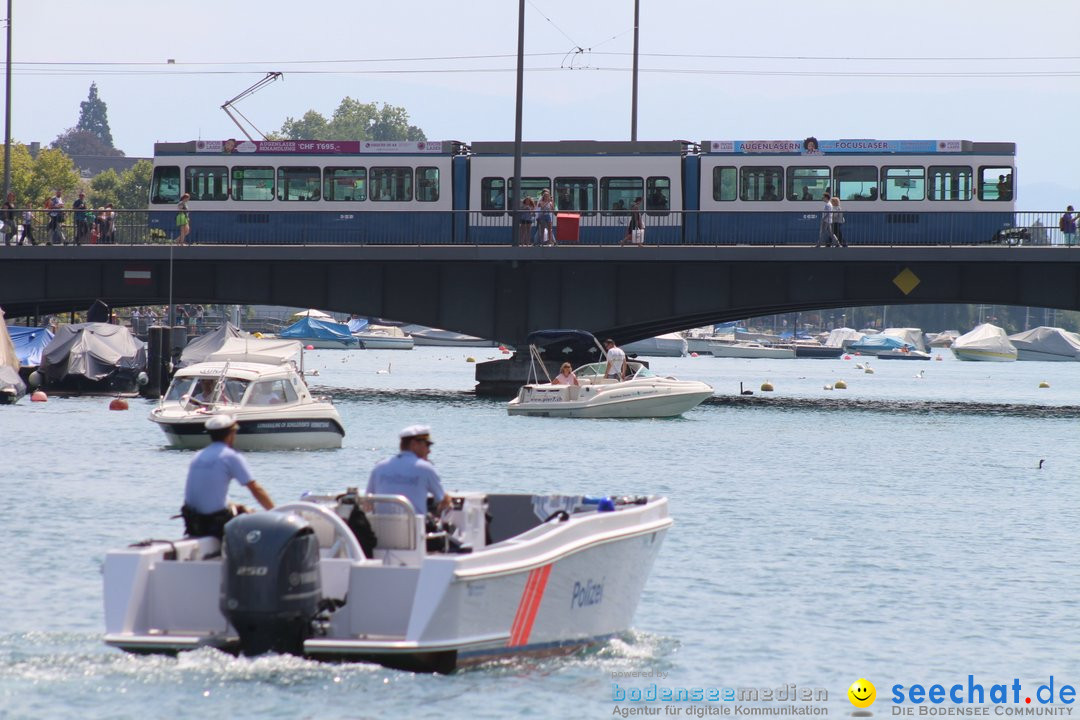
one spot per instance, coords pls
(566, 376)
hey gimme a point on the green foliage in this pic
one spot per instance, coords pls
(51, 169)
(354, 120)
(104, 189)
(94, 117)
(134, 188)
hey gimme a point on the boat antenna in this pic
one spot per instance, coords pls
(229, 106)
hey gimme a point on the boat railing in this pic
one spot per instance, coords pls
(398, 530)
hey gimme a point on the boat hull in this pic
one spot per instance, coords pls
(305, 433)
(384, 343)
(631, 399)
(982, 355)
(901, 355)
(739, 350)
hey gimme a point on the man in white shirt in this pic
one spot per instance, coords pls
(616, 361)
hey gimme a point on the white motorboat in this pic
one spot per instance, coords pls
(384, 337)
(12, 386)
(533, 575)
(256, 381)
(1047, 344)
(643, 395)
(750, 350)
(985, 343)
(666, 345)
(422, 335)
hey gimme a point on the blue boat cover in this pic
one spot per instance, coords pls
(878, 343)
(29, 343)
(309, 327)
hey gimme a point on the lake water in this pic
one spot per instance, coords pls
(900, 530)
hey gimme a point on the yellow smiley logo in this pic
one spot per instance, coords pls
(862, 693)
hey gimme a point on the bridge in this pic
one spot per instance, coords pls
(503, 292)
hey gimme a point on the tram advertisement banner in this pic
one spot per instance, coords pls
(316, 147)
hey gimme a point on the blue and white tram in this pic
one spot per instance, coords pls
(721, 192)
(310, 191)
(891, 191)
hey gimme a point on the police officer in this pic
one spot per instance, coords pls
(409, 473)
(206, 507)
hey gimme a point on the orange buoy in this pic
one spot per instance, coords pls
(39, 396)
(693, 354)
(847, 357)
(309, 347)
(118, 403)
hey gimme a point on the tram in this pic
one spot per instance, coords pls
(712, 192)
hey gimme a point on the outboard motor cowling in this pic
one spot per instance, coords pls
(270, 586)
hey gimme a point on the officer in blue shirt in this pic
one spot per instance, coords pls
(206, 508)
(409, 473)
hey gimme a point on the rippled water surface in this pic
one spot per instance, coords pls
(899, 530)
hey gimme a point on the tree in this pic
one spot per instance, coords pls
(52, 169)
(105, 189)
(354, 120)
(133, 191)
(94, 117)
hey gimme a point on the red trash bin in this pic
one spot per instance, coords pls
(566, 228)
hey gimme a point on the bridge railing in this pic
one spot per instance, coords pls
(228, 227)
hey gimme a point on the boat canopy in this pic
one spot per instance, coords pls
(256, 350)
(92, 350)
(310, 327)
(839, 336)
(1048, 341)
(578, 347)
(985, 338)
(29, 343)
(911, 336)
(205, 345)
(878, 343)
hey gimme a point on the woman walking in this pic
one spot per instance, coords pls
(838, 222)
(545, 216)
(183, 219)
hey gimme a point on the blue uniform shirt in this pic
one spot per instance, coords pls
(207, 488)
(408, 475)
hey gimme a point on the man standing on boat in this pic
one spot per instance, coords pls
(409, 473)
(616, 360)
(206, 506)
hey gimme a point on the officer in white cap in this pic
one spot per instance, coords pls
(409, 473)
(206, 507)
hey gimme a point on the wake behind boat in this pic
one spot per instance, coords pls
(257, 382)
(541, 575)
(642, 395)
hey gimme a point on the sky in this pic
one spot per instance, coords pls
(985, 70)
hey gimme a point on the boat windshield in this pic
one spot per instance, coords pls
(637, 370)
(272, 392)
(203, 390)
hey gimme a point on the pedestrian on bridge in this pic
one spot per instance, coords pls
(1068, 226)
(8, 215)
(55, 206)
(183, 219)
(825, 231)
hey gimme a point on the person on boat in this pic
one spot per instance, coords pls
(566, 376)
(206, 495)
(410, 473)
(203, 393)
(616, 361)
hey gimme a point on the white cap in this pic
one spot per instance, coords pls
(220, 422)
(415, 431)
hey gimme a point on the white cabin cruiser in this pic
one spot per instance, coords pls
(532, 575)
(257, 382)
(745, 349)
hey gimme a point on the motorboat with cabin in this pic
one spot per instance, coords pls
(666, 345)
(643, 394)
(751, 350)
(1046, 343)
(503, 575)
(257, 381)
(437, 337)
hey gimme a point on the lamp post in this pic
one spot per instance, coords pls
(7, 108)
(633, 99)
(515, 208)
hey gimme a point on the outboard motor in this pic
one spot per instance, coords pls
(270, 586)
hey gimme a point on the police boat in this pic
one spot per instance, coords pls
(356, 577)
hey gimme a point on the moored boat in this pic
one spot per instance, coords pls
(985, 343)
(750, 350)
(322, 334)
(93, 357)
(532, 575)
(12, 386)
(667, 345)
(379, 337)
(1046, 344)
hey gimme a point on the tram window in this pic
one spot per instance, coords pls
(995, 183)
(761, 183)
(807, 183)
(950, 182)
(575, 194)
(856, 182)
(724, 184)
(531, 186)
(253, 183)
(391, 184)
(427, 184)
(347, 184)
(617, 194)
(298, 183)
(903, 183)
(207, 183)
(658, 195)
(492, 196)
(165, 185)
